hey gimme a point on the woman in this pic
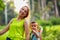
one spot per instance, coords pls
(18, 27)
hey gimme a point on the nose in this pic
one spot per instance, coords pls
(33, 26)
(22, 11)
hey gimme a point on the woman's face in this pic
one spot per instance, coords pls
(23, 11)
(34, 26)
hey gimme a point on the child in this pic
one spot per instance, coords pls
(35, 33)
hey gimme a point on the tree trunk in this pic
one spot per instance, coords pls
(39, 5)
(55, 8)
(43, 4)
(32, 5)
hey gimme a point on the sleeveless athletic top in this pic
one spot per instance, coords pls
(16, 30)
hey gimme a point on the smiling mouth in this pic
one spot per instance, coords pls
(22, 14)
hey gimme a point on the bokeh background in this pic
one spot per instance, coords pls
(45, 12)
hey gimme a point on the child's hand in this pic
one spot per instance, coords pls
(34, 31)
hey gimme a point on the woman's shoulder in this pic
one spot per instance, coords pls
(12, 19)
(25, 21)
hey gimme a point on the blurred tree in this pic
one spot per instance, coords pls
(33, 6)
(2, 6)
(44, 9)
(33, 9)
(55, 8)
(58, 4)
(39, 5)
(10, 8)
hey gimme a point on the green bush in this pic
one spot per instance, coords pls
(55, 21)
(52, 33)
(50, 22)
(44, 23)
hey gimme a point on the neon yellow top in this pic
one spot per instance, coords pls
(16, 31)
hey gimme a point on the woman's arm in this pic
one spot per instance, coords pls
(6, 29)
(26, 30)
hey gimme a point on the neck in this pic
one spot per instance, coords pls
(19, 18)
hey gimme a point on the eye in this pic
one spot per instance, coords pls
(22, 9)
(25, 11)
(33, 25)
